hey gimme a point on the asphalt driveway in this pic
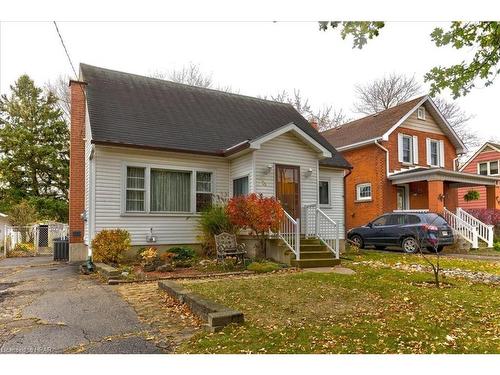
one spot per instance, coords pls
(48, 307)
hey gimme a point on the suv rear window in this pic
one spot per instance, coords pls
(435, 219)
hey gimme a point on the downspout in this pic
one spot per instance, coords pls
(345, 203)
(386, 158)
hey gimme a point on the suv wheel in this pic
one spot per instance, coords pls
(358, 241)
(409, 245)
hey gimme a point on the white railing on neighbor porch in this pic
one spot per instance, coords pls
(484, 231)
(319, 224)
(461, 227)
(290, 233)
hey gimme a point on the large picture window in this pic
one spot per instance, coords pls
(135, 191)
(170, 191)
(163, 190)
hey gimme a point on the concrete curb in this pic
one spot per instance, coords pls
(216, 315)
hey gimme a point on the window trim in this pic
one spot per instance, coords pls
(358, 191)
(412, 156)
(488, 167)
(148, 166)
(421, 113)
(433, 141)
(329, 182)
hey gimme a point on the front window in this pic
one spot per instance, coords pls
(324, 193)
(240, 186)
(483, 169)
(407, 149)
(170, 191)
(203, 190)
(135, 190)
(364, 192)
(434, 153)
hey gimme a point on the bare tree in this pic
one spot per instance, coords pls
(60, 88)
(191, 75)
(327, 117)
(394, 89)
(459, 120)
(385, 92)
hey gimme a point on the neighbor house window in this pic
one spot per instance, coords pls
(421, 113)
(135, 194)
(170, 191)
(488, 168)
(483, 168)
(203, 190)
(494, 167)
(324, 193)
(363, 192)
(240, 186)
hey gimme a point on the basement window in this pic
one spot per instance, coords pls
(364, 192)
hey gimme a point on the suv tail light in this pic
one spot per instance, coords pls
(429, 228)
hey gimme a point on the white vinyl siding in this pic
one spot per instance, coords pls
(171, 228)
(428, 125)
(88, 180)
(335, 209)
(287, 149)
(242, 166)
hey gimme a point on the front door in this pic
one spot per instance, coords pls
(402, 198)
(288, 188)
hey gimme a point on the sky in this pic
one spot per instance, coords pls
(256, 58)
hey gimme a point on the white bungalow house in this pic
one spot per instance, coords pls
(148, 154)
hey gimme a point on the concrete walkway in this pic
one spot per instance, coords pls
(48, 307)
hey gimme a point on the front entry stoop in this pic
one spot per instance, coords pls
(313, 253)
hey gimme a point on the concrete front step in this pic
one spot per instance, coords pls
(316, 254)
(312, 263)
(309, 248)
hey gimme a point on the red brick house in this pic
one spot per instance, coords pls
(404, 158)
(486, 162)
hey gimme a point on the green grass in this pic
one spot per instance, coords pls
(373, 311)
(390, 258)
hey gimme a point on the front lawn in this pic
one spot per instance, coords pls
(377, 310)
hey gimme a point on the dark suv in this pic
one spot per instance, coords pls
(409, 230)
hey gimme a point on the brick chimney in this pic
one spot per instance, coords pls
(77, 162)
(314, 123)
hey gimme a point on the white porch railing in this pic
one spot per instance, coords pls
(290, 233)
(484, 231)
(319, 224)
(461, 227)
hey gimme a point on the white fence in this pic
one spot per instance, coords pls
(319, 224)
(35, 239)
(290, 233)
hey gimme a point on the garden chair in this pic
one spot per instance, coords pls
(227, 246)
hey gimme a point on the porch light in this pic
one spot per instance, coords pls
(269, 168)
(309, 172)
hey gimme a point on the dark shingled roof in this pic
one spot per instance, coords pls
(369, 127)
(133, 110)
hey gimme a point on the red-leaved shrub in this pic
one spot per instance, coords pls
(488, 216)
